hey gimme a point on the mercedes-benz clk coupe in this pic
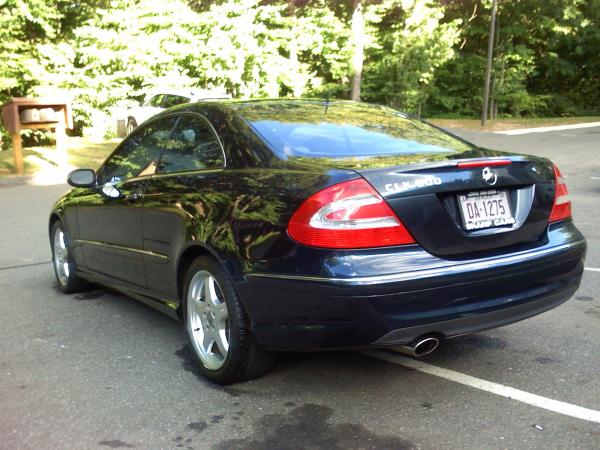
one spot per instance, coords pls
(287, 225)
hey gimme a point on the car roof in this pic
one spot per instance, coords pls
(276, 106)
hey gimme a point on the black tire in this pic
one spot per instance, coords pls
(244, 360)
(131, 125)
(67, 280)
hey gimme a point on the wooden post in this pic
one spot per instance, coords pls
(17, 152)
(62, 158)
(29, 110)
(60, 137)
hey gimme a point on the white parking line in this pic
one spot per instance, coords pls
(553, 128)
(566, 409)
(592, 269)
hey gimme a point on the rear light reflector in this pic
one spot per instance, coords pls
(562, 204)
(483, 163)
(345, 216)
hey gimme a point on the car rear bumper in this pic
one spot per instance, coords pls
(442, 297)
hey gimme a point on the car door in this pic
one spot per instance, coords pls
(110, 218)
(185, 189)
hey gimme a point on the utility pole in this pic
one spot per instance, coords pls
(488, 68)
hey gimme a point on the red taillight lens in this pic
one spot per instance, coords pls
(347, 215)
(562, 205)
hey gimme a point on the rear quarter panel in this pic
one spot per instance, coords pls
(238, 215)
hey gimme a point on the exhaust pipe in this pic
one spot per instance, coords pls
(420, 346)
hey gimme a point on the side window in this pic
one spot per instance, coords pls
(194, 146)
(139, 153)
(174, 100)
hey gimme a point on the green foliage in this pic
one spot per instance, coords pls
(411, 42)
(545, 58)
(423, 56)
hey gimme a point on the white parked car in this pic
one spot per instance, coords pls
(157, 100)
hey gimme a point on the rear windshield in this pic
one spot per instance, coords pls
(314, 129)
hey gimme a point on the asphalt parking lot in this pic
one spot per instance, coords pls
(98, 370)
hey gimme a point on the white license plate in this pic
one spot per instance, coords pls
(485, 209)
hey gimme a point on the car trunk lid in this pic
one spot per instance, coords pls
(436, 201)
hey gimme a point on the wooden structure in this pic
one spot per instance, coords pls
(23, 113)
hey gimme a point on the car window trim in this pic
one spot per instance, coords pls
(213, 131)
(138, 130)
(187, 172)
(150, 121)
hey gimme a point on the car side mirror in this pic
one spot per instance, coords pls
(82, 178)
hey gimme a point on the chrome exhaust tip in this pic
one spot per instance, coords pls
(420, 346)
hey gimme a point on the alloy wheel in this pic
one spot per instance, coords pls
(61, 257)
(208, 320)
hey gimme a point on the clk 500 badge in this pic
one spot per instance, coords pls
(416, 183)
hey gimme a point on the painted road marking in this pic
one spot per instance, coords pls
(545, 129)
(549, 404)
(25, 265)
(592, 269)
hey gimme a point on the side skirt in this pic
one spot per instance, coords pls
(166, 306)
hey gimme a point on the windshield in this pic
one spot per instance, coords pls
(317, 129)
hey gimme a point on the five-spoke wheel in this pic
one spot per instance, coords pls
(208, 319)
(61, 257)
(64, 264)
(218, 326)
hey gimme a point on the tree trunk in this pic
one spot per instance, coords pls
(500, 83)
(296, 77)
(493, 96)
(495, 85)
(488, 67)
(358, 39)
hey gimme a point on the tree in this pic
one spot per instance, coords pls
(412, 42)
(536, 65)
(358, 42)
(424, 56)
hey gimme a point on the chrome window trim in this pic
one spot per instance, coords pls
(181, 114)
(186, 173)
(150, 121)
(138, 130)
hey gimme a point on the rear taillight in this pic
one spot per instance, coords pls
(347, 215)
(562, 205)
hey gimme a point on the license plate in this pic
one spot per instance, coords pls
(485, 209)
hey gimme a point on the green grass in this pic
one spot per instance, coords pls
(85, 154)
(81, 153)
(511, 124)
